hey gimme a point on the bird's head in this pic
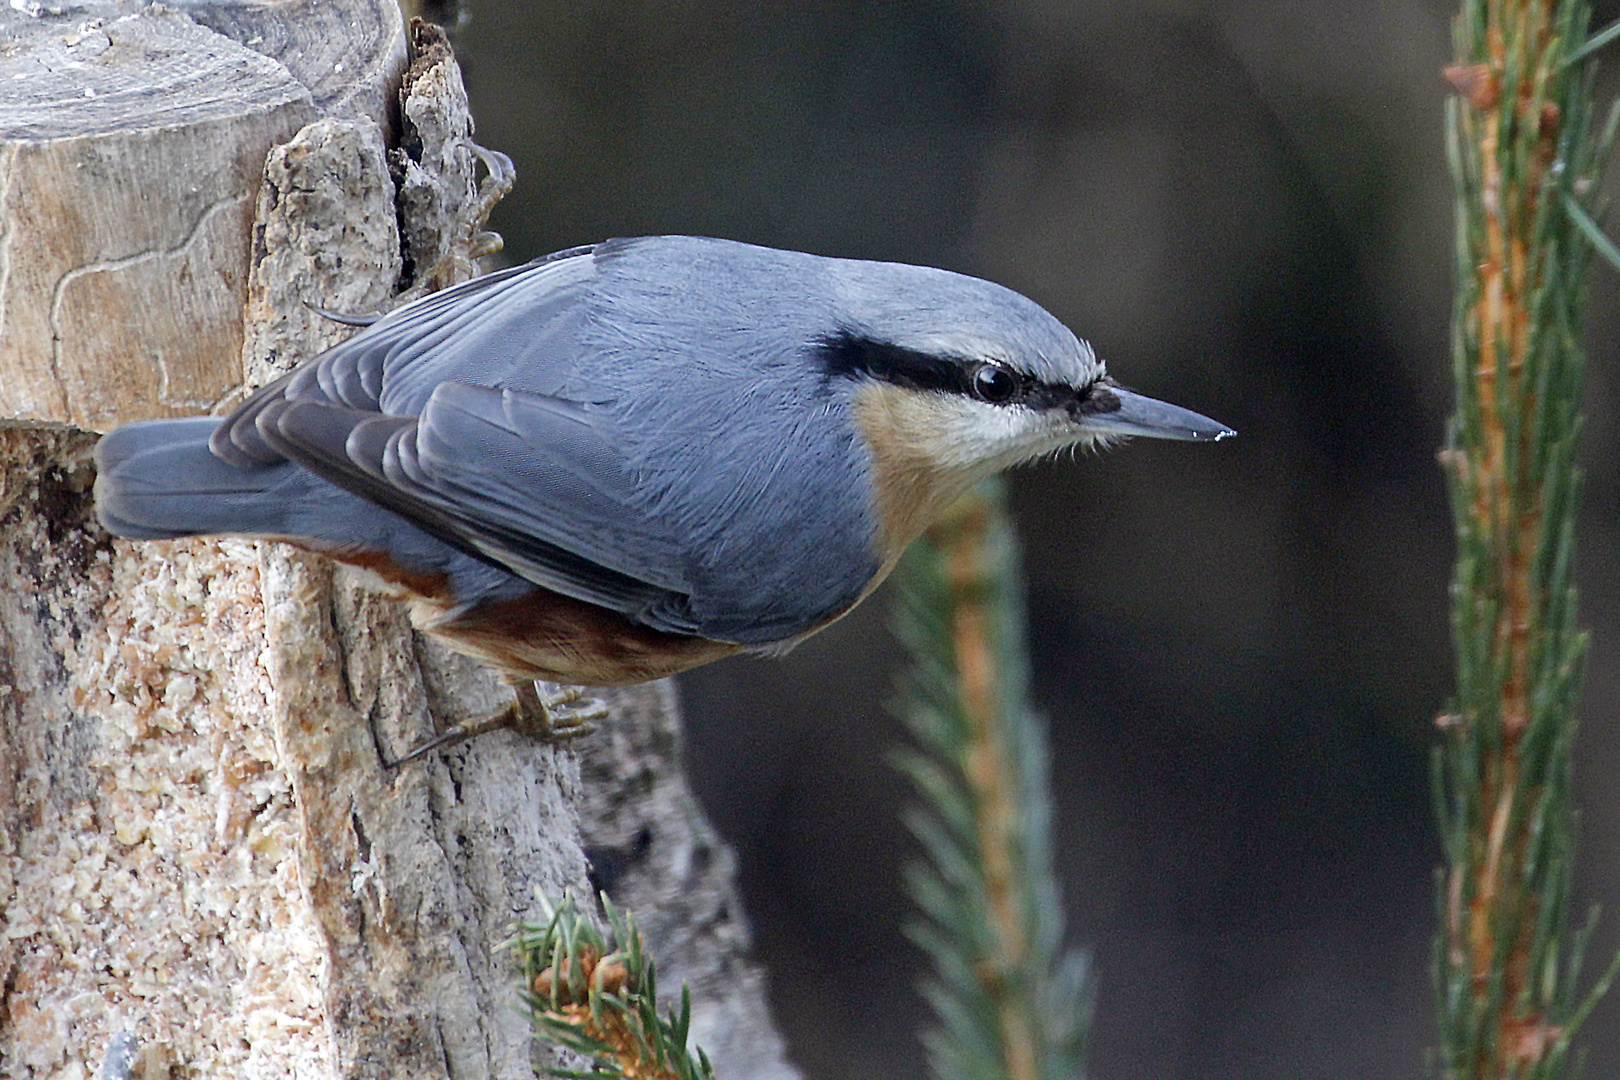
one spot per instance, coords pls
(956, 379)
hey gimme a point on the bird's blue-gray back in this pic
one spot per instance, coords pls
(652, 396)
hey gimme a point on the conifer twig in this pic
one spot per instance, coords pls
(596, 994)
(1010, 1002)
(1524, 162)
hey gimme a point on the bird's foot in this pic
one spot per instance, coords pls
(554, 718)
(549, 719)
(499, 177)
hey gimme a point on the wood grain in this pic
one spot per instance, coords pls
(132, 142)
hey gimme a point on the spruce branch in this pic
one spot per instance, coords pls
(1009, 1002)
(1524, 162)
(597, 995)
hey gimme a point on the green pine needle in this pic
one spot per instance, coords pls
(1595, 42)
(1599, 239)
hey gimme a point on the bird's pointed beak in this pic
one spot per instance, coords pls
(1140, 415)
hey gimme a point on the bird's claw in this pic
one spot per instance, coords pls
(548, 719)
(499, 177)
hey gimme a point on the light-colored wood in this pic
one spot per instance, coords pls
(132, 140)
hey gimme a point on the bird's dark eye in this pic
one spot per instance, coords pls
(994, 383)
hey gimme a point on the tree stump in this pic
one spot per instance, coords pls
(204, 864)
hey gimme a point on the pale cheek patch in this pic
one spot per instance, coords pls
(966, 434)
(958, 435)
(928, 448)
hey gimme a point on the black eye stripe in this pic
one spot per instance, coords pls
(848, 355)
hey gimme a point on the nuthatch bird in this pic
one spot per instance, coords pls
(625, 460)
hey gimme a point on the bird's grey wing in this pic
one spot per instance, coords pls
(534, 483)
(402, 356)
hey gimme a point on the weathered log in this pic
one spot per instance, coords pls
(202, 855)
(132, 140)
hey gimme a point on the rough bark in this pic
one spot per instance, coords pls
(204, 864)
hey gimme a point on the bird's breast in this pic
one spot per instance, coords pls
(922, 458)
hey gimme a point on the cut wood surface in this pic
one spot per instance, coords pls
(132, 141)
(204, 864)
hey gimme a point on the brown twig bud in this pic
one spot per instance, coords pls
(611, 977)
(1477, 83)
(1529, 1040)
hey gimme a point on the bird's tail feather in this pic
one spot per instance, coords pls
(157, 479)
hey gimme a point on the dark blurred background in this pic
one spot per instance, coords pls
(1244, 207)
